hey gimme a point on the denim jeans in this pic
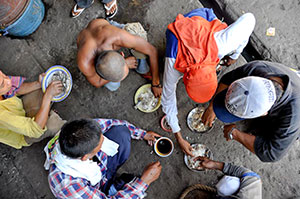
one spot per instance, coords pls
(121, 135)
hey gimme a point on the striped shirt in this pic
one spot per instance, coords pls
(16, 82)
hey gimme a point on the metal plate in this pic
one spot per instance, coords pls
(190, 120)
(143, 89)
(207, 152)
(46, 81)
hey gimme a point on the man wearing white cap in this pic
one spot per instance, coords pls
(238, 182)
(269, 94)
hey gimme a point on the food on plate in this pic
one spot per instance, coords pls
(198, 150)
(196, 122)
(65, 80)
(147, 101)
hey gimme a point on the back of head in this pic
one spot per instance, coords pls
(79, 137)
(110, 65)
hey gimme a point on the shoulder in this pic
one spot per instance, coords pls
(60, 181)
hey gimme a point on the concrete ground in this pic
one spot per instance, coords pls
(21, 171)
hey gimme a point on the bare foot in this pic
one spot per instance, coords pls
(131, 62)
(112, 10)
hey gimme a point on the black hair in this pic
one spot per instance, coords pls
(110, 65)
(79, 137)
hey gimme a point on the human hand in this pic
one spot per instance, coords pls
(185, 146)
(54, 89)
(156, 91)
(207, 163)
(150, 137)
(151, 172)
(227, 61)
(41, 76)
(208, 116)
(227, 129)
(131, 62)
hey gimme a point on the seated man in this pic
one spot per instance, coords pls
(18, 130)
(238, 182)
(83, 160)
(266, 92)
(100, 62)
(196, 42)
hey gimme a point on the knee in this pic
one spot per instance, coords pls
(119, 134)
(122, 136)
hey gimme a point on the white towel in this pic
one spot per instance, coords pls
(88, 169)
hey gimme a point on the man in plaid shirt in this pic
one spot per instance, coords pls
(83, 160)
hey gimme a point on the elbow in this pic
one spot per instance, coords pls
(269, 159)
(249, 19)
(97, 85)
(152, 51)
(269, 156)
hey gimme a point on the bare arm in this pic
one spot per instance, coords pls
(184, 145)
(42, 116)
(244, 138)
(141, 45)
(30, 86)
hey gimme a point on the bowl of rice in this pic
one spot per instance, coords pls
(145, 100)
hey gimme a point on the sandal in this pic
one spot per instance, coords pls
(76, 12)
(107, 9)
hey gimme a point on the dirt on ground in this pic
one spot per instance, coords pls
(22, 174)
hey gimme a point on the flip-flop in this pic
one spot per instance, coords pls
(107, 9)
(76, 12)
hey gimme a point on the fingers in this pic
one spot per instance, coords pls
(157, 163)
(156, 91)
(210, 122)
(56, 83)
(155, 134)
(150, 142)
(200, 158)
(189, 151)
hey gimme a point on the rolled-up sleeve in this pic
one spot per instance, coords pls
(21, 124)
(168, 100)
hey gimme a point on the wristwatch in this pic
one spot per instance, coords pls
(157, 86)
(230, 133)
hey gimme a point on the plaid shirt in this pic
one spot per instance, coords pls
(65, 186)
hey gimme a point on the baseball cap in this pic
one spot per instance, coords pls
(201, 83)
(245, 98)
(228, 185)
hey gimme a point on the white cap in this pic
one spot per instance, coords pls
(250, 97)
(228, 185)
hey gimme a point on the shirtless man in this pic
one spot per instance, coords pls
(100, 62)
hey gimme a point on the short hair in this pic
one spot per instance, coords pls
(110, 65)
(79, 137)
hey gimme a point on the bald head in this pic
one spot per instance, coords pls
(110, 65)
